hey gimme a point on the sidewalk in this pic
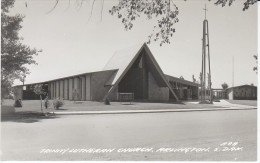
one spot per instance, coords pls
(92, 107)
(220, 106)
(224, 103)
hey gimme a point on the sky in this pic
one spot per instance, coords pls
(73, 42)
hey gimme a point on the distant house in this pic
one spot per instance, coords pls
(242, 92)
(133, 70)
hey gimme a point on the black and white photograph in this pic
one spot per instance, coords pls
(129, 80)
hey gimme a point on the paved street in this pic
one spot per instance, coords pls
(26, 139)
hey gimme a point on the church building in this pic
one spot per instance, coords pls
(133, 70)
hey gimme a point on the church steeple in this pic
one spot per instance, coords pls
(206, 93)
(205, 11)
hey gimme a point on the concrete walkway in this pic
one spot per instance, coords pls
(223, 105)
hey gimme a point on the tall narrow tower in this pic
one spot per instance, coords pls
(206, 92)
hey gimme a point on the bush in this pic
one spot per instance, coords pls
(58, 103)
(18, 103)
(107, 102)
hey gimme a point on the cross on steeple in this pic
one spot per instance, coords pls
(205, 11)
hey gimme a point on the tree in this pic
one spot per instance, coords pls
(39, 90)
(224, 85)
(14, 55)
(247, 3)
(164, 11)
(194, 79)
(255, 68)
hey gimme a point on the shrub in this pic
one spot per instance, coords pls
(58, 103)
(18, 103)
(107, 102)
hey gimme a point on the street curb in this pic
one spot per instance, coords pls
(145, 111)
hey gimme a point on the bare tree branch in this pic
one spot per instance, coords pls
(102, 5)
(92, 6)
(165, 11)
(68, 6)
(57, 1)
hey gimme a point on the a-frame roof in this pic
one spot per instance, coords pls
(123, 60)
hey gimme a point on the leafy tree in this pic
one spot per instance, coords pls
(39, 90)
(247, 3)
(224, 85)
(164, 11)
(255, 68)
(14, 55)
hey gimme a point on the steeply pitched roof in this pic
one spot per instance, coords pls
(120, 60)
(124, 59)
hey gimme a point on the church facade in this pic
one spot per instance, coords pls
(133, 70)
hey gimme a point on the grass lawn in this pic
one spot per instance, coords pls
(34, 105)
(244, 102)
